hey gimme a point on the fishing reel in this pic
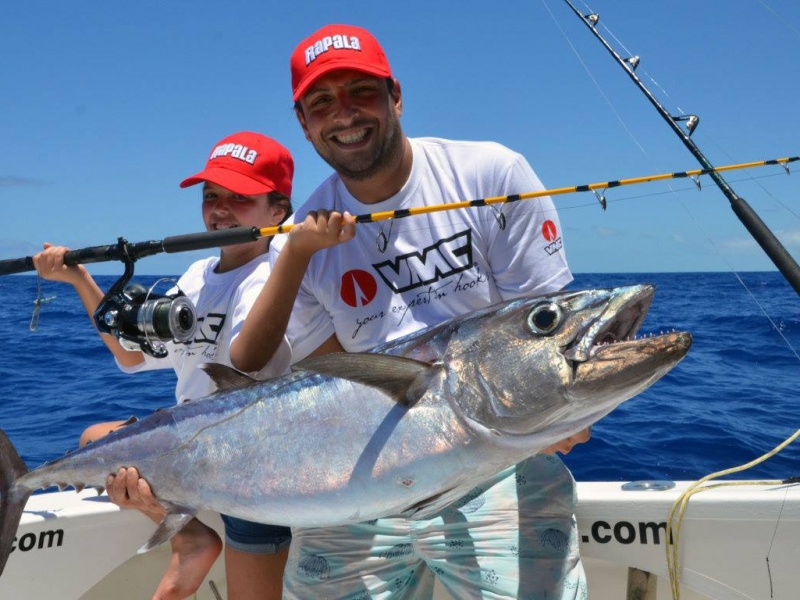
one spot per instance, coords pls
(143, 320)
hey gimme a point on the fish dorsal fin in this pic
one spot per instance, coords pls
(403, 379)
(226, 377)
(175, 520)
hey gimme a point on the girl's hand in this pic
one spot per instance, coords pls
(322, 229)
(50, 265)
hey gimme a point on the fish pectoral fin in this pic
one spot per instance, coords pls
(423, 507)
(429, 507)
(175, 520)
(225, 377)
(404, 379)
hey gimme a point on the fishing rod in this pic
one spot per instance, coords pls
(125, 251)
(754, 224)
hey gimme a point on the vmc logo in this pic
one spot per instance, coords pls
(358, 288)
(550, 233)
(436, 262)
(410, 271)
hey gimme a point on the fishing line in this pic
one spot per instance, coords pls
(155, 343)
(678, 509)
(772, 541)
(769, 318)
(769, 243)
(639, 68)
(37, 305)
(705, 133)
(698, 224)
(754, 180)
(669, 192)
(488, 201)
(130, 252)
(597, 85)
(692, 217)
(214, 589)
(683, 127)
(696, 221)
(592, 204)
(781, 18)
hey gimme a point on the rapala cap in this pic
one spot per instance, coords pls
(333, 48)
(248, 163)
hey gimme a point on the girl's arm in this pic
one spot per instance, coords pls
(50, 265)
(265, 325)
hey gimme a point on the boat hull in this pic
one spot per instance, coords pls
(80, 546)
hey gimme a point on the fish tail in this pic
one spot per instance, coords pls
(12, 497)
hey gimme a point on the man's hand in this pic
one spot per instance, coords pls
(564, 446)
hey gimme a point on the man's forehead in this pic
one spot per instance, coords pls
(340, 78)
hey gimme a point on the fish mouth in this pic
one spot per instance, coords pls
(609, 358)
(618, 322)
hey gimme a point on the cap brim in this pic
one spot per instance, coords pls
(344, 65)
(230, 180)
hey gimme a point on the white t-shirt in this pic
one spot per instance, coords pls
(222, 301)
(434, 266)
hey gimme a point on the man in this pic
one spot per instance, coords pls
(515, 535)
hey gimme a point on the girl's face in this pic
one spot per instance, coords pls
(224, 209)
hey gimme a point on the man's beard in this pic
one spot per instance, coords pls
(363, 168)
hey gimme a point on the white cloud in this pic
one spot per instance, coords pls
(17, 181)
(789, 238)
(607, 232)
(738, 243)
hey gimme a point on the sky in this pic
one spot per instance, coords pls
(105, 107)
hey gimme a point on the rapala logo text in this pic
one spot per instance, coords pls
(235, 151)
(434, 263)
(332, 42)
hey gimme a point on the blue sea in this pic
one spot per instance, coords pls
(733, 398)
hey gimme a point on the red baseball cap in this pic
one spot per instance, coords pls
(248, 163)
(332, 48)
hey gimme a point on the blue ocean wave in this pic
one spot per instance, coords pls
(732, 399)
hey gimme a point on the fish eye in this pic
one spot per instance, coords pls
(545, 318)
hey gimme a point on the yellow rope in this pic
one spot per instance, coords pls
(682, 502)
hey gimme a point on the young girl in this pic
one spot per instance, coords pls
(247, 181)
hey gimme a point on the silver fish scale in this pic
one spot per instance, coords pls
(314, 449)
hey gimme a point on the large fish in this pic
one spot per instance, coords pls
(404, 430)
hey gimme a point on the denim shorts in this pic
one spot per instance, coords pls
(255, 538)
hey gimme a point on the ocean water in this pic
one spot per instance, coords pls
(733, 398)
